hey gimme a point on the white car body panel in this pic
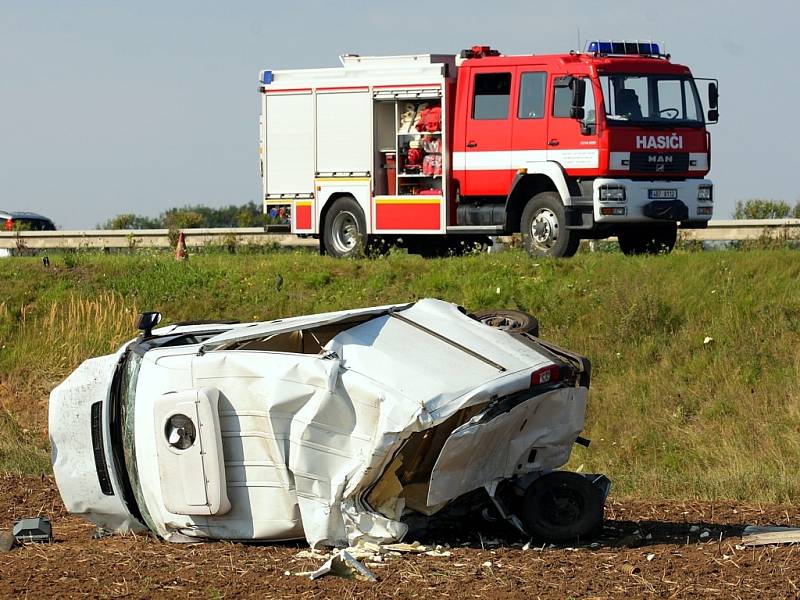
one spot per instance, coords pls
(306, 436)
(73, 460)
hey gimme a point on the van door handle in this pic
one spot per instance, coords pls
(472, 144)
(553, 143)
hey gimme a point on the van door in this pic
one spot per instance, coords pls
(573, 143)
(486, 159)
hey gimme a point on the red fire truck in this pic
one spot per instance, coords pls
(431, 150)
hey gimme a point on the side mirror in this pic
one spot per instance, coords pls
(148, 320)
(577, 112)
(713, 115)
(713, 96)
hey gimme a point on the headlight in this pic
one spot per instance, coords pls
(705, 193)
(609, 193)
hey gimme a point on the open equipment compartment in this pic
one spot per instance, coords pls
(410, 159)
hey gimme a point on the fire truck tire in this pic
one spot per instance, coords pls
(345, 229)
(543, 227)
(648, 240)
(512, 321)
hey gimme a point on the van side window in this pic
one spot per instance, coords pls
(531, 95)
(491, 96)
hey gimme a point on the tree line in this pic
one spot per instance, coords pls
(188, 217)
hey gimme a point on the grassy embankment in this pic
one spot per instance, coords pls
(670, 416)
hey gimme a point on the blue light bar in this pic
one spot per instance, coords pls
(624, 48)
(266, 77)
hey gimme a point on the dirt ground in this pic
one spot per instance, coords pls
(660, 549)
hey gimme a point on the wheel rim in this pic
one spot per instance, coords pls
(345, 232)
(544, 229)
(562, 507)
(502, 322)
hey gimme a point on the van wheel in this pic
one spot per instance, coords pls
(345, 229)
(512, 321)
(658, 239)
(562, 506)
(543, 226)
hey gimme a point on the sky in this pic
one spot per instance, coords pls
(110, 107)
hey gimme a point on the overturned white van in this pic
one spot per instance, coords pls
(332, 427)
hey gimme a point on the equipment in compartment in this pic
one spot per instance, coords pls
(419, 145)
(432, 161)
(390, 166)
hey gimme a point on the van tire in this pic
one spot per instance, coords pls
(511, 321)
(544, 227)
(562, 506)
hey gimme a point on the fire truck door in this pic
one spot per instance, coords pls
(529, 133)
(571, 142)
(487, 152)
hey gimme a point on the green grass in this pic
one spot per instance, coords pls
(670, 416)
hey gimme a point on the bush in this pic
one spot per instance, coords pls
(247, 215)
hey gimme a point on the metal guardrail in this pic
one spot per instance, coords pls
(147, 238)
(729, 230)
(744, 229)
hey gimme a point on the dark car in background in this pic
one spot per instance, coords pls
(24, 221)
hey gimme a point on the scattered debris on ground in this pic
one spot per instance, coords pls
(344, 565)
(6, 541)
(682, 565)
(763, 536)
(33, 530)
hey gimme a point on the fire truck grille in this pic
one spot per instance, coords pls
(651, 162)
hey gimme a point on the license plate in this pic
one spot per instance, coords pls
(662, 194)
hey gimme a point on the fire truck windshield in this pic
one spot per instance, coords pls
(640, 99)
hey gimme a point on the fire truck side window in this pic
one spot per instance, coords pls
(531, 95)
(491, 96)
(562, 101)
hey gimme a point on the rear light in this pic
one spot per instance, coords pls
(705, 210)
(10, 225)
(545, 375)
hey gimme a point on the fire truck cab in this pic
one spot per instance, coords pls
(433, 150)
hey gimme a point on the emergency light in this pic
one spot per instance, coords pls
(266, 77)
(625, 48)
(479, 52)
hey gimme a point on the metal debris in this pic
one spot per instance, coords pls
(37, 529)
(344, 565)
(762, 536)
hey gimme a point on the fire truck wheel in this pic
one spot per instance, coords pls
(512, 321)
(345, 229)
(648, 240)
(544, 229)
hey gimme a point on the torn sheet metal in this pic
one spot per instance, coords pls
(316, 415)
